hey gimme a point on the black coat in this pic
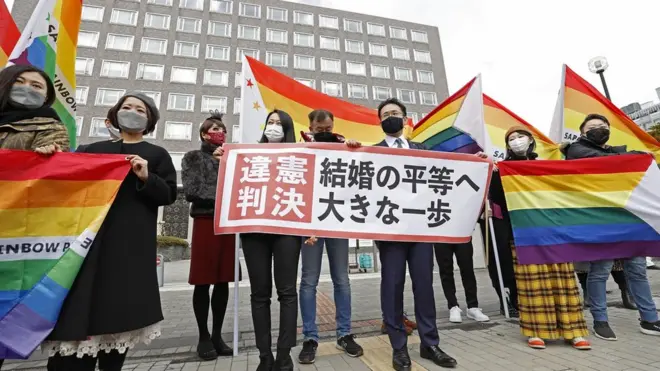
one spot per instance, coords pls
(116, 289)
(199, 175)
(584, 148)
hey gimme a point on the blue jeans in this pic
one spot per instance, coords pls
(638, 284)
(311, 270)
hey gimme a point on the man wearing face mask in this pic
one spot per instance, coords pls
(595, 133)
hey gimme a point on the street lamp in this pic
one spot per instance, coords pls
(599, 65)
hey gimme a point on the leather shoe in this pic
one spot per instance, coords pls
(438, 357)
(401, 360)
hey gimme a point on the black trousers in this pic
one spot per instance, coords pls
(112, 361)
(506, 262)
(444, 255)
(268, 255)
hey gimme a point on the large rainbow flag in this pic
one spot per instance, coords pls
(577, 98)
(454, 125)
(49, 42)
(50, 211)
(9, 33)
(583, 210)
(264, 89)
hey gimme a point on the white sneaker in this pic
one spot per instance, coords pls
(455, 315)
(477, 315)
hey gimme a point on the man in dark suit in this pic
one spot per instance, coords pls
(393, 258)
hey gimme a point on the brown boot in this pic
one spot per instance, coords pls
(409, 330)
(409, 323)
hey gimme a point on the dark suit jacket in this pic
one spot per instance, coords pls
(413, 145)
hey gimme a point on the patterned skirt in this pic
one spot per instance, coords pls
(549, 301)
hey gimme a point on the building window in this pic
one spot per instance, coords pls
(277, 59)
(277, 36)
(304, 62)
(428, 98)
(81, 94)
(235, 133)
(184, 75)
(307, 82)
(414, 117)
(419, 36)
(329, 43)
(380, 71)
(159, 21)
(422, 56)
(79, 125)
(237, 106)
(124, 17)
(97, 128)
(92, 13)
(248, 32)
(84, 66)
(221, 29)
(250, 10)
(186, 49)
(253, 53)
(278, 14)
(115, 69)
(155, 95)
(403, 74)
(354, 46)
(352, 26)
(425, 77)
(356, 68)
(379, 50)
(330, 65)
(357, 91)
(178, 130)
(192, 4)
(375, 29)
(303, 18)
(160, 2)
(217, 52)
(211, 103)
(221, 6)
(331, 88)
(400, 53)
(406, 95)
(119, 42)
(326, 21)
(216, 78)
(381, 93)
(303, 39)
(108, 97)
(88, 39)
(153, 46)
(180, 102)
(398, 33)
(238, 80)
(190, 25)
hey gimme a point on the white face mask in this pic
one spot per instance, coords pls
(519, 146)
(274, 133)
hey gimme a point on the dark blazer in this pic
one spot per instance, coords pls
(413, 145)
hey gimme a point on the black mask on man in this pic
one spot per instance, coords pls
(392, 125)
(599, 136)
(326, 137)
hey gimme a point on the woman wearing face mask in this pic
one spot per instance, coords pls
(548, 295)
(212, 257)
(27, 121)
(114, 303)
(268, 255)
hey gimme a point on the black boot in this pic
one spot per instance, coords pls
(221, 348)
(283, 361)
(266, 362)
(628, 301)
(582, 277)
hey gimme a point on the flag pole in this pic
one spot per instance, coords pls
(485, 234)
(237, 266)
(505, 301)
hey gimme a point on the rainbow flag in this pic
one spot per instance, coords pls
(583, 210)
(9, 33)
(443, 128)
(264, 89)
(50, 211)
(49, 42)
(578, 98)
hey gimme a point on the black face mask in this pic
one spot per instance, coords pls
(326, 136)
(599, 136)
(392, 125)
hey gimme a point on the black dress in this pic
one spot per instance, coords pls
(116, 290)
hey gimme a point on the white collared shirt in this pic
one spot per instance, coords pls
(391, 142)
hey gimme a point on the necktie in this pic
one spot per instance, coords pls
(399, 143)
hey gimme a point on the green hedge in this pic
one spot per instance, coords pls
(169, 241)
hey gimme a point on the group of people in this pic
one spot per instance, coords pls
(110, 310)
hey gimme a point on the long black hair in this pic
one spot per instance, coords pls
(287, 127)
(8, 77)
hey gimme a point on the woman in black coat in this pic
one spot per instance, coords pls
(114, 304)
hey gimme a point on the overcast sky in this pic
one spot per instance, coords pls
(519, 45)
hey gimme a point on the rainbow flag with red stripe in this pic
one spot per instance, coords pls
(9, 33)
(578, 98)
(264, 89)
(583, 210)
(50, 211)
